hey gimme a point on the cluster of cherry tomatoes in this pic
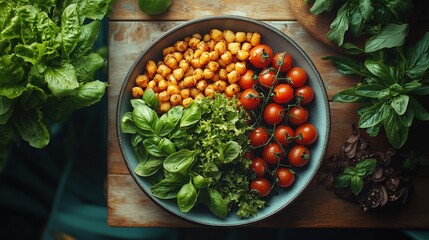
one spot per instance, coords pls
(276, 95)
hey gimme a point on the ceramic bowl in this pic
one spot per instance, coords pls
(319, 110)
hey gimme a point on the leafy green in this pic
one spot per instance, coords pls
(353, 176)
(392, 81)
(197, 151)
(47, 65)
(383, 22)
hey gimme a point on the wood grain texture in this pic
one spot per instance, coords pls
(130, 31)
(189, 9)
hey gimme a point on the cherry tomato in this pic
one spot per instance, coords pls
(258, 137)
(285, 177)
(296, 76)
(273, 153)
(261, 185)
(283, 93)
(298, 115)
(299, 156)
(282, 61)
(304, 94)
(282, 133)
(274, 113)
(305, 134)
(260, 56)
(250, 99)
(248, 79)
(267, 78)
(259, 165)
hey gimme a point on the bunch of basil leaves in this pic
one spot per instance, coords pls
(46, 65)
(363, 17)
(393, 89)
(194, 155)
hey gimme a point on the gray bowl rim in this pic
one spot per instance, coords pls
(244, 19)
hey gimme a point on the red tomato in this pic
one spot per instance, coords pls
(299, 156)
(260, 56)
(273, 153)
(282, 133)
(297, 77)
(250, 99)
(248, 79)
(274, 113)
(298, 115)
(267, 78)
(261, 185)
(283, 93)
(282, 61)
(259, 165)
(258, 137)
(305, 134)
(285, 177)
(304, 94)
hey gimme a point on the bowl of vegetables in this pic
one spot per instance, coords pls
(223, 121)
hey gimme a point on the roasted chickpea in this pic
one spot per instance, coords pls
(151, 68)
(168, 50)
(209, 91)
(137, 92)
(242, 55)
(223, 74)
(176, 99)
(185, 93)
(187, 101)
(164, 107)
(226, 57)
(164, 70)
(173, 89)
(234, 47)
(230, 67)
(201, 85)
(189, 81)
(219, 85)
(246, 46)
(232, 89)
(204, 58)
(220, 47)
(178, 73)
(170, 61)
(198, 74)
(163, 96)
(213, 66)
(157, 77)
(199, 96)
(233, 77)
(240, 67)
(194, 92)
(208, 74)
(180, 46)
(256, 39)
(229, 36)
(240, 37)
(216, 35)
(162, 85)
(151, 84)
(142, 80)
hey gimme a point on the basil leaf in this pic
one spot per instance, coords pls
(400, 104)
(230, 151)
(320, 6)
(200, 182)
(340, 25)
(374, 130)
(150, 99)
(347, 66)
(356, 184)
(371, 91)
(396, 132)
(191, 115)
(419, 111)
(342, 180)
(152, 146)
(347, 96)
(217, 204)
(351, 48)
(418, 59)
(169, 186)
(366, 9)
(127, 124)
(149, 167)
(391, 35)
(167, 122)
(368, 165)
(357, 22)
(421, 91)
(374, 115)
(407, 117)
(180, 161)
(166, 146)
(187, 197)
(380, 70)
(145, 118)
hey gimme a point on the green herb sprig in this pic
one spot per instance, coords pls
(353, 176)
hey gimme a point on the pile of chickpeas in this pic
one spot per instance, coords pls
(197, 67)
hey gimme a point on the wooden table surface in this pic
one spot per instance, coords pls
(130, 31)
